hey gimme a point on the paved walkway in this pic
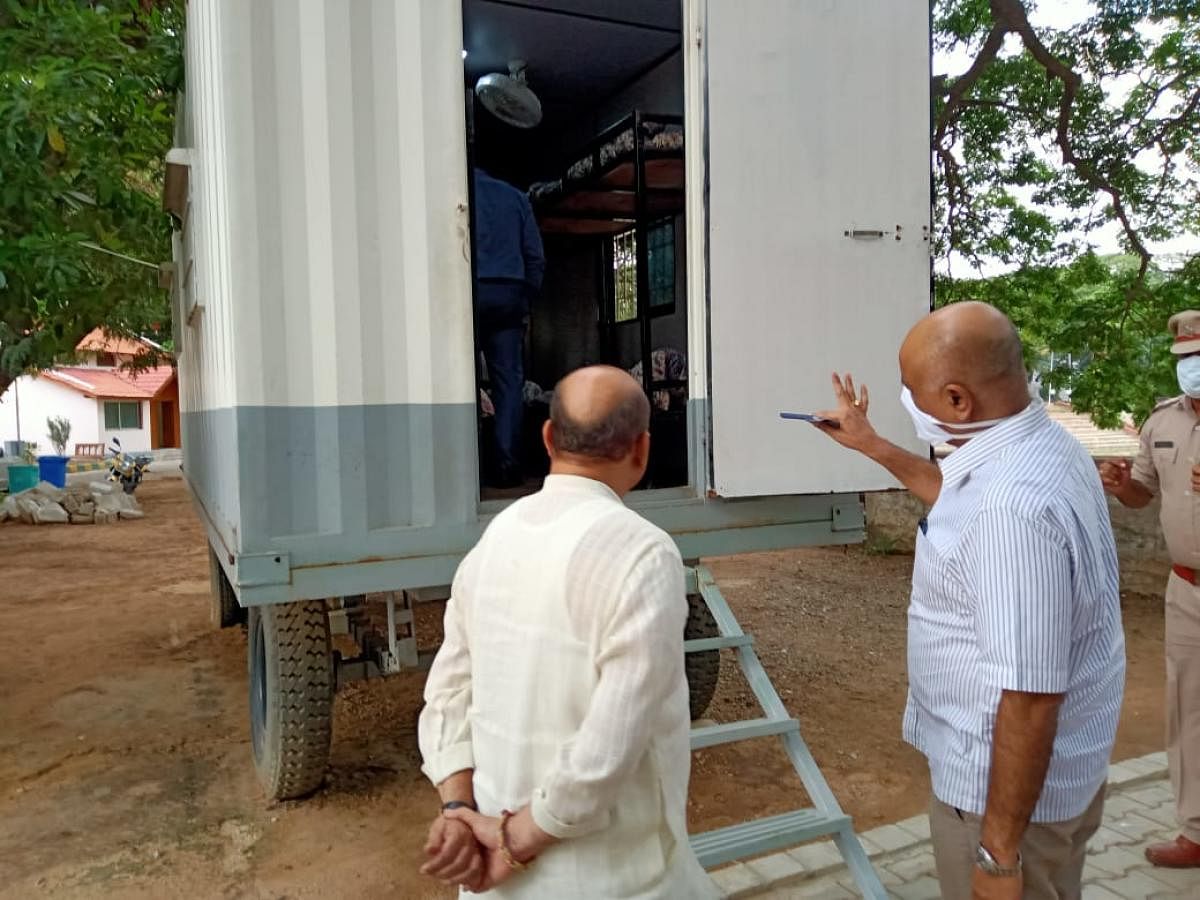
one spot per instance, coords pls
(1139, 811)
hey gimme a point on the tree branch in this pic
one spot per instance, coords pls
(961, 85)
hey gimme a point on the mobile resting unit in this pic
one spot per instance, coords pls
(322, 291)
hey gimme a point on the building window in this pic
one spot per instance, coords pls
(121, 416)
(660, 262)
(106, 359)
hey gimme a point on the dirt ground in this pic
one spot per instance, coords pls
(125, 765)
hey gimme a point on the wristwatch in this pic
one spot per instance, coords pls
(988, 865)
(458, 804)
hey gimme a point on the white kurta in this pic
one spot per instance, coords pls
(561, 683)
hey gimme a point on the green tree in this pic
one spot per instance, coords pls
(86, 116)
(1045, 138)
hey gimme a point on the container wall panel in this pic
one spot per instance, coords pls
(344, 249)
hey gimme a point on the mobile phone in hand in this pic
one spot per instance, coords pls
(809, 417)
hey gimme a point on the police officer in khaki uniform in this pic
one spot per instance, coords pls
(1168, 463)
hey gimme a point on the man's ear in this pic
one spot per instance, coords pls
(959, 399)
(548, 438)
(641, 450)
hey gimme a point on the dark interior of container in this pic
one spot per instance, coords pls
(604, 172)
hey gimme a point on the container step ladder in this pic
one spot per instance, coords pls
(825, 818)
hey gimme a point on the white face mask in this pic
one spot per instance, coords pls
(934, 432)
(1187, 370)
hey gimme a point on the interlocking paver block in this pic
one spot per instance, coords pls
(1116, 861)
(1136, 826)
(1186, 881)
(1120, 805)
(818, 858)
(1107, 837)
(820, 889)
(917, 826)
(1098, 892)
(778, 868)
(1143, 765)
(1120, 775)
(737, 881)
(888, 839)
(886, 878)
(1137, 886)
(1152, 794)
(1164, 815)
(922, 889)
(913, 868)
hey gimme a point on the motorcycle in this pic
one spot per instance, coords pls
(126, 469)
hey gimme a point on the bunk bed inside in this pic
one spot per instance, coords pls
(622, 192)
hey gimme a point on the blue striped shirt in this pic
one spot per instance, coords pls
(1015, 587)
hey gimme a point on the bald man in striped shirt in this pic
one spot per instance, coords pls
(1016, 654)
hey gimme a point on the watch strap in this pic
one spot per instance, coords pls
(459, 804)
(988, 864)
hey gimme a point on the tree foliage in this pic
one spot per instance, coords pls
(1078, 309)
(86, 117)
(1046, 138)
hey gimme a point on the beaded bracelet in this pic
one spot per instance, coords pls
(505, 851)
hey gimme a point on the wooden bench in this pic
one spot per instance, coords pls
(89, 451)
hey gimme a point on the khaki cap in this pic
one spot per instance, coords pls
(1185, 326)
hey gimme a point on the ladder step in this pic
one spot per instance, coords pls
(714, 735)
(764, 835)
(699, 645)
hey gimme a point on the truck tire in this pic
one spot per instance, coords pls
(224, 609)
(291, 696)
(702, 669)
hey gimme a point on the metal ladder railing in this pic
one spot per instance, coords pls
(825, 818)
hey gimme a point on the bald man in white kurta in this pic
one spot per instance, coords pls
(561, 685)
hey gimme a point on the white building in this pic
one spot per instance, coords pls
(98, 398)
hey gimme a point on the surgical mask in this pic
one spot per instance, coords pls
(1187, 370)
(934, 432)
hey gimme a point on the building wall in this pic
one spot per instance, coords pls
(133, 440)
(40, 399)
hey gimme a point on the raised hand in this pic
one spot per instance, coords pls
(853, 429)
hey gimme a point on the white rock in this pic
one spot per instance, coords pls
(132, 514)
(50, 492)
(29, 507)
(109, 503)
(100, 487)
(50, 513)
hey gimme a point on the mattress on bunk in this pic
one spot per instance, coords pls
(661, 137)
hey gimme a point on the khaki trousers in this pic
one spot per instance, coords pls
(1183, 701)
(1052, 854)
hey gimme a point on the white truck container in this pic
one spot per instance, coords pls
(323, 302)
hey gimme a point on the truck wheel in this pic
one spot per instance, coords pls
(703, 669)
(291, 696)
(224, 609)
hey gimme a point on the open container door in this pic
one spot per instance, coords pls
(819, 207)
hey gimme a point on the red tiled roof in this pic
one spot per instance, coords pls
(99, 342)
(112, 383)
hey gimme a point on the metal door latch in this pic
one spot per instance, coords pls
(873, 234)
